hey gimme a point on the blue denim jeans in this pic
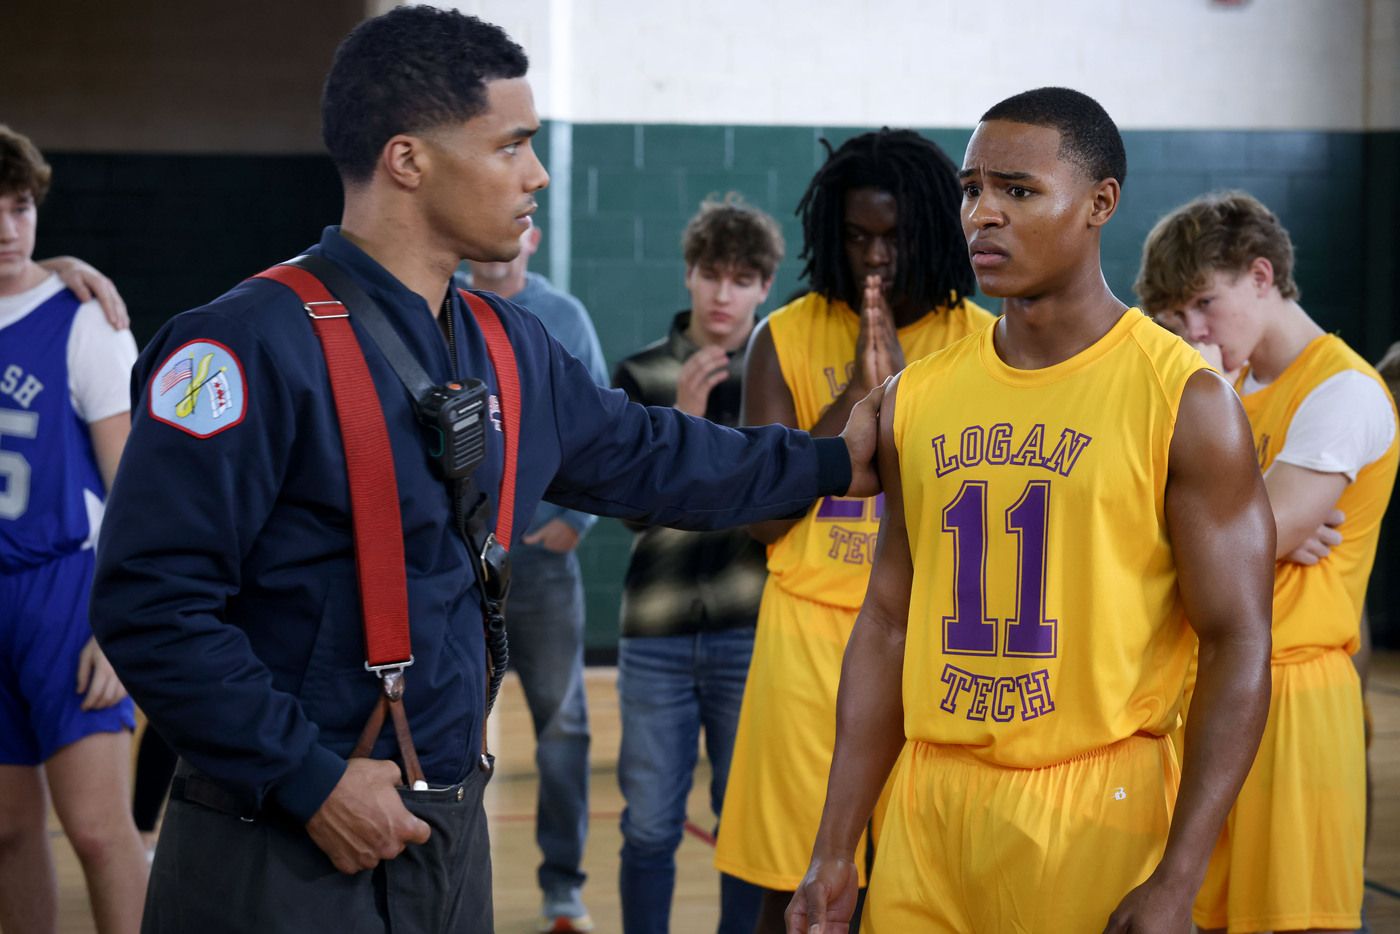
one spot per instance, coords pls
(670, 687)
(544, 618)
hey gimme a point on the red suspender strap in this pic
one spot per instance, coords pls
(369, 464)
(508, 381)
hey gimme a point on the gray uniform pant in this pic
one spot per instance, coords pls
(216, 872)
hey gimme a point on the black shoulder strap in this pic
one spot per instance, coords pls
(367, 311)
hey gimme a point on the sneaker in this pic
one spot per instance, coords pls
(564, 913)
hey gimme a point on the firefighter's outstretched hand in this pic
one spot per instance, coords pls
(862, 429)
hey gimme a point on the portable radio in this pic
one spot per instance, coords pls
(456, 414)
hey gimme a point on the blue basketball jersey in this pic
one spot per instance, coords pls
(48, 471)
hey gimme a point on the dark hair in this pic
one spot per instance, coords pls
(1224, 231)
(733, 233)
(932, 267)
(409, 70)
(23, 170)
(1088, 136)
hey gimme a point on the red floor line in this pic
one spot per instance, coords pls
(700, 833)
(521, 818)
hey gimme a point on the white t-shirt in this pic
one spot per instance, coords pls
(1345, 423)
(99, 357)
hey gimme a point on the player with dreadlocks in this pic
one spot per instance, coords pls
(892, 167)
(889, 276)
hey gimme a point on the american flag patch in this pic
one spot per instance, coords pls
(177, 374)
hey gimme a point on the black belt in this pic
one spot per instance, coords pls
(197, 788)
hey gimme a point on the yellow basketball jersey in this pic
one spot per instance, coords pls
(827, 556)
(1044, 619)
(1319, 606)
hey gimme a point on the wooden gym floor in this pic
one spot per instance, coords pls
(510, 803)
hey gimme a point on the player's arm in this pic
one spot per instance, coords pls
(96, 679)
(768, 401)
(1302, 501)
(1222, 535)
(99, 366)
(108, 438)
(869, 707)
(1344, 424)
(100, 358)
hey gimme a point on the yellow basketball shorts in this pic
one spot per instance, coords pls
(969, 846)
(1290, 856)
(787, 732)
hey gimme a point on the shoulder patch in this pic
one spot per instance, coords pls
(199, 389)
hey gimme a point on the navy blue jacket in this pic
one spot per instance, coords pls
(226, 595)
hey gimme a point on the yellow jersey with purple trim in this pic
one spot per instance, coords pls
(826, 557)
(1319, 606)
(1044, 617)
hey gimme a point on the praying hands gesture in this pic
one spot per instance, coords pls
(878, 354)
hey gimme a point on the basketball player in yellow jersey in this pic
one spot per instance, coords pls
(1290, 857)
(888, 271)
(1046, 537)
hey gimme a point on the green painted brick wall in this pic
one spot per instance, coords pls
(635, 186)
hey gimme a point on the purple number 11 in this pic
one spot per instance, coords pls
(969, 631)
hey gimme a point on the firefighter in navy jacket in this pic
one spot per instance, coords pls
(228, 559)
(226, 592)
